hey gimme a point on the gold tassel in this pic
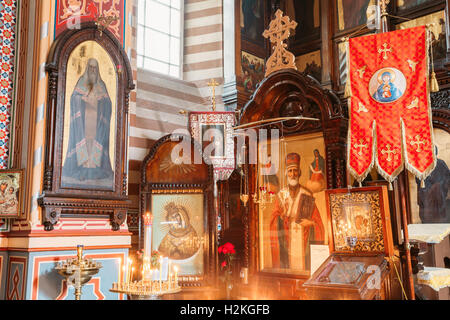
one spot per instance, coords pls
(360, 184)
(434, 85)
(390, 186)
(422, 184)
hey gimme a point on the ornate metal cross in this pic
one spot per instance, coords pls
(417, 143)
(385, 51)
(389, 152)
(279, 30)
(213, 84)
(361, 145)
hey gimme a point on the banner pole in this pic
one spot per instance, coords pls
(385, 28)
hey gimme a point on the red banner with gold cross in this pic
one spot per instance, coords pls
(390, 114)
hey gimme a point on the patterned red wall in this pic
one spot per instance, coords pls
(7, 54)
(71, 12)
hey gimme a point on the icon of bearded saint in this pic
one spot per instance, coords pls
(181, 242)
(87, 155)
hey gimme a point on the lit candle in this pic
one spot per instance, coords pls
(130, 265)
(169, 276)
(176, 275)
(160, 272)
(148, 221)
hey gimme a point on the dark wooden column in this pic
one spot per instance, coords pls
(327, 44)
(447, 22)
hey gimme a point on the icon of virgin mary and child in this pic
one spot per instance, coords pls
(387, 91)
(87, 157)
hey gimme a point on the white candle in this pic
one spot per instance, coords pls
(130, 264)
(169, 277)
(160, 272)
(148, 221)
(176, 275)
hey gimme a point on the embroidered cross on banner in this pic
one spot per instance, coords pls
(385, 51)
(417, 143)
(361, 145)
(389, 152)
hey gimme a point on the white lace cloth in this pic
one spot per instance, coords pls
(429, 232)
(436, 278)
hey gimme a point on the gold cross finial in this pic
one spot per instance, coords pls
(213, 84)
(279, 30)
(383, 6)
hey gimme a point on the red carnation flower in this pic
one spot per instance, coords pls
(224, 264)
(228, 248)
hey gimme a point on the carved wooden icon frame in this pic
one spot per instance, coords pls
(11, 200)
(61, 198)
(163, 178)
(288, 93)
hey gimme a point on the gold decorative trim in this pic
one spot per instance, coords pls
(361, 145)
(176, 191)
(375, 242)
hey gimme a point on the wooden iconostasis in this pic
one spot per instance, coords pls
(320, 55)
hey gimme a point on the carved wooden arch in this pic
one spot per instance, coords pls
(189, 181)
(56, 200)
(160, 175)
(307, 98)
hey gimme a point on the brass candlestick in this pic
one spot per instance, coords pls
(78, 271)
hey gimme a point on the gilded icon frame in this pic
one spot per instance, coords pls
(13, 178)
